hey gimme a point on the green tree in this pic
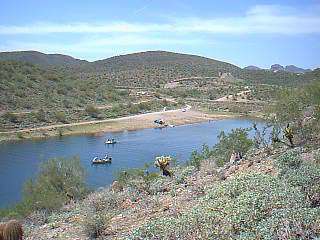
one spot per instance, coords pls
(237, 141)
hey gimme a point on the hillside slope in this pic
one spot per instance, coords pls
(153, 68)
(42, 59)
(27, 86)
(157, 67)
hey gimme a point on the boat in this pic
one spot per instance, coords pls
(106, 159)
(110, 141)
(159, 121)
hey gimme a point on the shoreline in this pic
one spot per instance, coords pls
(129, 123)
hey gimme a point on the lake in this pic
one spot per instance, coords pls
(20, 160)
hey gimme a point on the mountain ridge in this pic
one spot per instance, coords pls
(42, 59)
(57, 59)
(153, 68)
(278, 67)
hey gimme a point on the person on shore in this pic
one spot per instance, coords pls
(288, 133)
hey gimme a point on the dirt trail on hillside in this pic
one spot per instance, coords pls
(229, 97)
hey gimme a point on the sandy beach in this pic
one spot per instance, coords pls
(135, 122)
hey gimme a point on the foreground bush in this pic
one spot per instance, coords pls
(235, 141)
(300, 174)
(251, 206)
(59, 181)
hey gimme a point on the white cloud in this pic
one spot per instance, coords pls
(269, 19)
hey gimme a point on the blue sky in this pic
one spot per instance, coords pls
(240, 32)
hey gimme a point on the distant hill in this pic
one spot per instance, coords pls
(157, 67)
(42, 59)
(153, 68)
(294, 69)
(278, 67)
(251, 67)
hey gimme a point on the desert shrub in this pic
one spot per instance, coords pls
(288, 160)
(133, 108)
(300, 107)
(304, 175)
(160, 185)
(11, 117)
(197, 157)
(182, 173)
(61, 117)
(58, 179)
(95, 223)
(250, 206)
(20, 135)
(92, 111)
(40, 115)
(104, 200)
(136, 178)
(237, 141)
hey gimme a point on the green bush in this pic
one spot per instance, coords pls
(41, 115)
(61, 117)
(288, 160)
(300, 107)
(237, 141)
(58, 179)
(94, 224)
(11, 117)
(196, 158)
(136, 178)
(250, 206)
(304, 175)
(92, 111)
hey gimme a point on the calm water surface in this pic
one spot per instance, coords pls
(20, 160)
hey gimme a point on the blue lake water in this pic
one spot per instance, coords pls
(20, 160)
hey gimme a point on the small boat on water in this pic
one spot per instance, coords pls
(106, 159)
(110, 141)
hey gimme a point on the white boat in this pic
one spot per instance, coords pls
(106, 159)
(110, 141)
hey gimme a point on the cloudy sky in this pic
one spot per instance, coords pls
(241, 32)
